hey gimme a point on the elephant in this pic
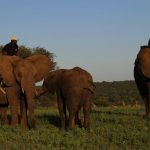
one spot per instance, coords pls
(19, 76)
(142, 76)
(74, 89)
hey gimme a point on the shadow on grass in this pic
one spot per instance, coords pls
(52, 119)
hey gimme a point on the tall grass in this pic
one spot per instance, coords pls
(110, 128)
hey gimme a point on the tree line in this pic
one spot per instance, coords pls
(117, 93)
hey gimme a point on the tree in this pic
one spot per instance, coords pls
(40, 50)
(24, 51)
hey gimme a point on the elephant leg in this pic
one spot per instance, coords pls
(86, 113)
(71, 118)
(78, 119)
(41, 91)
(4, 119)
(13, 101)
(147, 102)
(32, 123)
(14, 111)
(72, 105)
(146, 106)
(62, 112)
(23, 111)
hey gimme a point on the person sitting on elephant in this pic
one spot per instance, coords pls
(11, 48)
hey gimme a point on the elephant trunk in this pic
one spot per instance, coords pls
(28, 87)
(41, 91)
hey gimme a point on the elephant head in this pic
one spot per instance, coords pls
(52, 82)
(32, 69)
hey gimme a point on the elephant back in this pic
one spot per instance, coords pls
(77, 78)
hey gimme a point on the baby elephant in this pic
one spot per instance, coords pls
(74, 89)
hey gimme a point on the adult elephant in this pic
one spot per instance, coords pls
(142, 76)
(19, 77)
(74, 89)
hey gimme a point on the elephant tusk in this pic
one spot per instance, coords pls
(22, 90)
(3, 91)
(36, 92)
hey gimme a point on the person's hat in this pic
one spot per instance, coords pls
(13, 38)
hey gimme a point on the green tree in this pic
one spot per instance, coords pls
(40, 50)
(24, 51)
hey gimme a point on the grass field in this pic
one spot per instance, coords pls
(111, 128)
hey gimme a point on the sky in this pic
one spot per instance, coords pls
(100, 36)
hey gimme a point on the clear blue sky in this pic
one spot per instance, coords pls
(101, 36)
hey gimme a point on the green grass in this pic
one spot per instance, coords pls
(110, 128)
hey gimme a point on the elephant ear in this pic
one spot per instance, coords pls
(42, 65)
(6, 70)
(8, 76)
(53, 81)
